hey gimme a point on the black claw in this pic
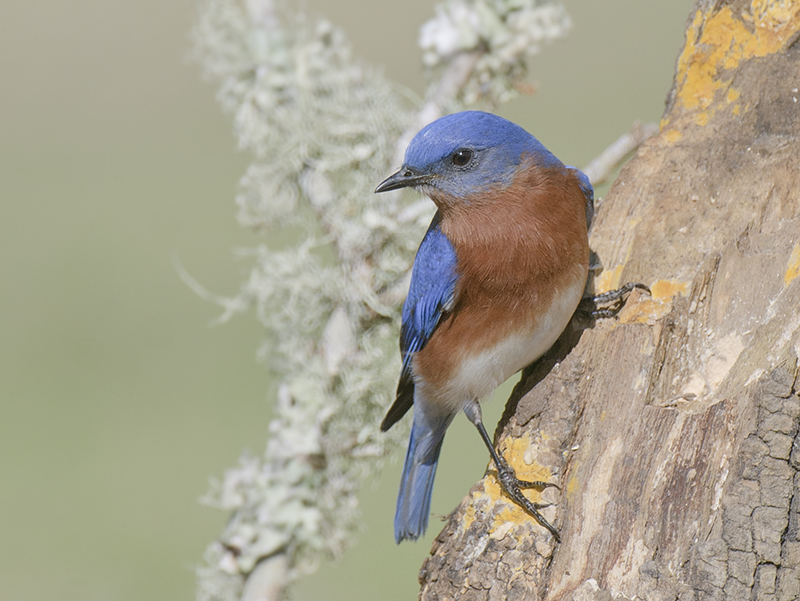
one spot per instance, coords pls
(538, 484)
(513, 488)
(615, 295)
(616, 298)
(604, 313)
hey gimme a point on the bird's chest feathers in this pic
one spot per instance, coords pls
(522, 263)
(501, 267)
(515, 251)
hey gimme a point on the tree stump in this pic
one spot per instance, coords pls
(673, 430)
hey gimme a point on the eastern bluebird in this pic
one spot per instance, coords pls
(496, 279)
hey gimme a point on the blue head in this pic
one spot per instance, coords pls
(467, 153)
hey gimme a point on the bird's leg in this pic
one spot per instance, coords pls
(591, 305)
(507, 477)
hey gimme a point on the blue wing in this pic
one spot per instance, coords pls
(431, 294)
(588, 192)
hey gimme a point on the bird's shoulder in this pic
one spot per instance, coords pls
(433, 282)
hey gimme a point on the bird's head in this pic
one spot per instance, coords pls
(464, 154)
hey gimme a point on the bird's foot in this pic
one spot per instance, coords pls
(609, 304)
(513, 488)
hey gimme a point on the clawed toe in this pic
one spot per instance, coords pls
(513, 488)
(538, 484)
(591, 305)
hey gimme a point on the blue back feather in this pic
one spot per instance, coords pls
(433, 284)
(588, 192)
(430, 295)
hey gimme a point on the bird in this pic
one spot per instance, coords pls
(497, 277)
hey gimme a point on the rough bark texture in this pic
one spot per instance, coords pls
(672, 431)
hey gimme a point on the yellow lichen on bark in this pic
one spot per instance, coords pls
(717, 42)
(672, 136)
(648, 310)
(609, 279)
(666, 289)
(513, 449)
(793, 268)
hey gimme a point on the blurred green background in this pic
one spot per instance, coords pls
(117, 400)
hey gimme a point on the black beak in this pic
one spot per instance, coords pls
(405, 178)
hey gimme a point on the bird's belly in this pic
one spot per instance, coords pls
(479, 373)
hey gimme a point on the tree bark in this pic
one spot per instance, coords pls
(673, 430)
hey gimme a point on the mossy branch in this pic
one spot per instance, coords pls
(323, 128)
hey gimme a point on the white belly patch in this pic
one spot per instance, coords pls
(480, 373)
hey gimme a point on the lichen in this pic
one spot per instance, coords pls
(793, 266)
(718, 41)
(322, 128)
(506, 32)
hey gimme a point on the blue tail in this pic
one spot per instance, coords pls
(416, 484)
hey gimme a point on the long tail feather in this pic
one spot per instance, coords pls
(419, 471)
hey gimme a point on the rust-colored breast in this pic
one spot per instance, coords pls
(523, 259)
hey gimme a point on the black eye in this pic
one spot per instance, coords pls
(462, 156)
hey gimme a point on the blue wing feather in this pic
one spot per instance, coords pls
(432, 292)
(588, 192)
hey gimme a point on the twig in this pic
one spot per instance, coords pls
(601, 168)
(267, 582)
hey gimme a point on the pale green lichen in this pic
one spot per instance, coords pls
(507, 32)
(322, 127)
